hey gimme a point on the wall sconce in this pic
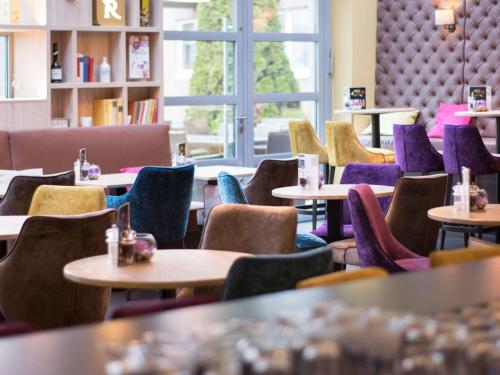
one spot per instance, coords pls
(445, 18)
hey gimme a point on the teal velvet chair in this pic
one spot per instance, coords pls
(231, 192)
(159, 200)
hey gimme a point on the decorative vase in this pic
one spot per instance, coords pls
(145, 247)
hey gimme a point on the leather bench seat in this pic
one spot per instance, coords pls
(110, 147)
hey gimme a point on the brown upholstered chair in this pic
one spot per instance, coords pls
(407, 217)
(32, 286)
(250, 229)
(17, 199)
(270, 174)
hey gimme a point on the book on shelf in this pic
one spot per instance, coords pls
(138, 57)
(144, 111)
(145, 13)
(84, 68)
(108, 112)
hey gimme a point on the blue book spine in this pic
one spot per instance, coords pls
(85, 60)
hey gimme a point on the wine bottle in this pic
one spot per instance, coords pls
(56, 75)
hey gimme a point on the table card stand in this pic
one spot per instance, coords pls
(308, 171)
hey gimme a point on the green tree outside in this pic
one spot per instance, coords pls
(272, 71)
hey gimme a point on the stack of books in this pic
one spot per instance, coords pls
(108, 112)
(85, 68)
(144, 111)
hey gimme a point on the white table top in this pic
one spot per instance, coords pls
(208, 173)
(372, 111)
(493, 113)
(110, 181)
(3, 190)
(10, 226)
(490, 216)
(168, 269)
(328, 192)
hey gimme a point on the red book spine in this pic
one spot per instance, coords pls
(91, 69)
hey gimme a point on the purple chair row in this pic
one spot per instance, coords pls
(463, 146)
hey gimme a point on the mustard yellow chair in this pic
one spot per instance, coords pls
(344, 147)
(452, 257)
(67, 200)
(342, 277)
(304, 140)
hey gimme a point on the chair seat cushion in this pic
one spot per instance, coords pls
(345, 252)
(414, 264)
(322, 230)
(308, 241)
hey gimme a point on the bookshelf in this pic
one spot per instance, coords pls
(69, 24)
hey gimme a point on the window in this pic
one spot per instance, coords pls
(237, 71)
(5, 66)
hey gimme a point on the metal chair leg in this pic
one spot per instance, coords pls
(314, 214)
(443, 237)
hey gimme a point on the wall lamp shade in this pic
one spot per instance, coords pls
(445, 18)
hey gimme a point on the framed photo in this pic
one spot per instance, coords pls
(479, 98)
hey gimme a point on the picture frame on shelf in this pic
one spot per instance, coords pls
(139, 58)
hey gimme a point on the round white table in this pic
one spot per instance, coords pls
(168, 269)
(375, 115)
(334, 195)
(10, 226)
(489, 217)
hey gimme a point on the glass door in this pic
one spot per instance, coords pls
(236, 71)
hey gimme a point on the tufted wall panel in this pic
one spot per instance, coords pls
(420, 65)
(482, 53)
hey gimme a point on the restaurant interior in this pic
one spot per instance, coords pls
(250, 187)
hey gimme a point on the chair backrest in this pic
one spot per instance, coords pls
(250, 229)
(274, 273)
(230, 190)
(407, 215)
(160, 200)
(450, 258)
(414, 151)
(271, 174)
(32, 286)
(278, 143)
(376, 244)
(344, 147)
(67, 200)
(304, 140)
(17, 199)
(464, 147)
(371, 174)
(335, 278)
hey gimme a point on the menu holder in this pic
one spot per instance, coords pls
(479, 98)
(308, 171)
(354, 98)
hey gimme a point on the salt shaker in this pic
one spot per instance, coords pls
(112, 241)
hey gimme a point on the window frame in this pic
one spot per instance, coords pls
(7, 71)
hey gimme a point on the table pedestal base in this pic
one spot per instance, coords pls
(334, 214)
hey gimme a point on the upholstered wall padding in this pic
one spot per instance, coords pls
(482, 53)
(418, 64)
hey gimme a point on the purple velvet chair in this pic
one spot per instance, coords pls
(376, 244)
(414, 151)
(464, 147)
(360, 173)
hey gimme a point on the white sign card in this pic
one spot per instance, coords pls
(308, 171)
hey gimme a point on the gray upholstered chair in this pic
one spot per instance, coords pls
(274, 273)
(32, 286)
(17, 199)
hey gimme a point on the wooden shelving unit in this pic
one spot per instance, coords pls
(69, 24)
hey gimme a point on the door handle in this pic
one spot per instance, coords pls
(241, 123)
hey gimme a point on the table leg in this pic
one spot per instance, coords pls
(335, 215)
(375, 130)
(498, 135)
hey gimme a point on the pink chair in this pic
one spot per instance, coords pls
(376, 244)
